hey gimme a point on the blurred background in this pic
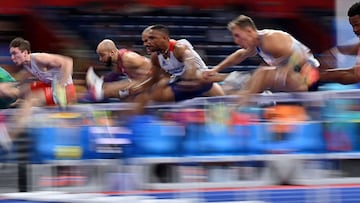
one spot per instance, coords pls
(75, 27)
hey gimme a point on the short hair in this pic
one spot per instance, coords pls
(20, 43)
(241, 21)
(354, 10)
(159, 27)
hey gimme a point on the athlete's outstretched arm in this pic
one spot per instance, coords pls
(328, 59)
(341, 75)
(233, 59)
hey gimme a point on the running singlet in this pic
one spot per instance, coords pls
(6, 77)
(302, 60)
(45, 80)
(135, 74)
(45, 76)
(297, 46)
(120, 65)
(177, 68)
(172, 65)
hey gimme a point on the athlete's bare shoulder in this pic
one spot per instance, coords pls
(275, 34)
(276, 42)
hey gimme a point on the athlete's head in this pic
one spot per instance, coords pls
(107, 52)
(244, 31)
(19, 50)
(156, 38)
(354, 18)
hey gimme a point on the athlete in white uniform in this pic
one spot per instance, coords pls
(182, 62)
(51, 70)
(300, 56)
(290, 64)
(298, 48)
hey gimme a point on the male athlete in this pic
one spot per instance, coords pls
(290, 64)
(178, 59)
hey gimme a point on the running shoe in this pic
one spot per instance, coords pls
(59, 94)
(5, 140)
(94, 84)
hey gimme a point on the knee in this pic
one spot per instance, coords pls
(217, 90)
